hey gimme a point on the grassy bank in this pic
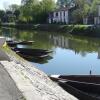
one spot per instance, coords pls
(85, 30)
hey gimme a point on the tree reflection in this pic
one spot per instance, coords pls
(45, 40)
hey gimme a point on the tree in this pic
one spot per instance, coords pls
(14, 10)
(47, 6)
(17, 14)
(2, 13)
(29, 2)
(13, 7)
(28, 9)
(9, 17)
(94, 7)
(36, 11)
(67, 3)
(82, 10)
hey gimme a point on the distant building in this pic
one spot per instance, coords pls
(60, 15)
(63, 15)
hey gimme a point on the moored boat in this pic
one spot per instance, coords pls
(82, 90)
(14, 43)
(31, 57)
(80, 78)
(32, 52)
(37, 59)
(26, 42)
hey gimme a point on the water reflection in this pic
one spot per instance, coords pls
(71, 54)
(79, 46)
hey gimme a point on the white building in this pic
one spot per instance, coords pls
(59, 16)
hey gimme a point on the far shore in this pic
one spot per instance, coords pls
(82, 30)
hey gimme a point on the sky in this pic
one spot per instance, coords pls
(4, 3)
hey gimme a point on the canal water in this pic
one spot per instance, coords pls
(72, 55)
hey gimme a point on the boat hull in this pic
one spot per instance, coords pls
(14, 43)
(32, 52)
(81, 95)
(82, 90)
(80, 78)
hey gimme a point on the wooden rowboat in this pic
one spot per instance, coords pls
(82, 90)
(37, 59)
(32, 52)
(31, 57)
(80, 78)
(26, 42)
(14, 43)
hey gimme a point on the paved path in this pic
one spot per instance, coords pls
(8, 89)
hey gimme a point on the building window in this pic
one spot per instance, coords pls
(56, 13)
(64, 13)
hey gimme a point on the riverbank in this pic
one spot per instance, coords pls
(31, 83)
(82, 30)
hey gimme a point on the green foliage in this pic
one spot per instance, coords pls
(36, 11)
(82, 10)
(65, 2)
(13, 7)
(11, 14)
(2, 13)
(77, 16)
(85, 8)
(94, 7)
(17, 13)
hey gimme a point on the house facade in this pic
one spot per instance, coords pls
(63, 15)
(60, 15)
